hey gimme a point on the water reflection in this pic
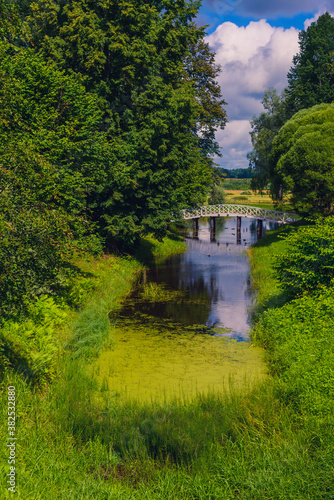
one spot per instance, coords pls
(216, 272)
(169, 336)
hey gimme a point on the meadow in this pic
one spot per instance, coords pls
(239, 192)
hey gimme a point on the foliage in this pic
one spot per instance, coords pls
(311, 79)
(51, 116)
(308, 261)
(35, 252)
(105, 283)
(265, 127)
(107, 119)
(217, 192)
(217, 195)
(311, 82)
(237, 184)
(299, 341)
(10, 23)
(302, 158)
(275, 441)
(237, 173)
(49, 162)
(298, 333)
(155, 76)
(31, 347)
(201, 70)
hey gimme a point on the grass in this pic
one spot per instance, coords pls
(213, 447)
(273, 442)
(91, 327)
(151, 249)
(255, 199)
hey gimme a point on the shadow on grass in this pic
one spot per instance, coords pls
(275, 236)
(145, 249)
(274, 302)
(277, 298)
(144, 252)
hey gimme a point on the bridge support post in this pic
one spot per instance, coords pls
(195, 228)
(238, 230)
(212, 228)
(259, 228)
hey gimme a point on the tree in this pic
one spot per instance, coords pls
(302, 159)
(201, 70)
(265, 127)
(311, 79)
(155, 78)
(217, 192)
(50, 161)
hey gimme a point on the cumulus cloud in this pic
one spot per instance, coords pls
(253, 58)
(320, 12)
(236, 143)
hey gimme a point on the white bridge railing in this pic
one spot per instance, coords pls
(239, 211)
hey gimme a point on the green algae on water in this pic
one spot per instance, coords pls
(149, 362)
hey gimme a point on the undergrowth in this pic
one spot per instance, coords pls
(273, 442)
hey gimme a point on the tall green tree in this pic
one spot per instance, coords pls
(311, 78)
(264, 129)
(147, 62)
(303, 159)
(202, 71)
(50, 161)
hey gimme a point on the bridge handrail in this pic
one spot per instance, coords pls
(226, 210)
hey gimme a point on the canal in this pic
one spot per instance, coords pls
(185, 330)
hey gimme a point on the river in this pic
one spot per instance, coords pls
(185, 330)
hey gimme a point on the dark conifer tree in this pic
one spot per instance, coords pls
(311, 78)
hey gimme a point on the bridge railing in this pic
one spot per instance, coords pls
(231, 210)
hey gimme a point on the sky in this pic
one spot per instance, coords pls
(254, 42)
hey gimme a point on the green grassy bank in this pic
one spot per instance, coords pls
(273, 442)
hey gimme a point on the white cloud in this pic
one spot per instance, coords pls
(253, 58)
(236, 143)
(321, 11)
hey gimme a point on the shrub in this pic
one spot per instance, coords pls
(308, 263)
(31, 346)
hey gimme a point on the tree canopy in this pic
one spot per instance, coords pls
(155, 78)
(264, 128)
(302, 158)
(108, 113)
(310, 82)
(311, 78)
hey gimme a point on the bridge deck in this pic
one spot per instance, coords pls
(230, 210)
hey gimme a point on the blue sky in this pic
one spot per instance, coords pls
(254, 42)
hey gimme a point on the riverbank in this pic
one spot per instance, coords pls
(44, 357)
(267, 443)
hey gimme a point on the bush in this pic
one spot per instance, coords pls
(240, 198)
(308, 263)
(31, 347)
(217, 195)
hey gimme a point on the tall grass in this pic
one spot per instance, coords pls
(114, 280)
(75, 442)
(236, 446)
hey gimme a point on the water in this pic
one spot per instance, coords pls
(186, 329)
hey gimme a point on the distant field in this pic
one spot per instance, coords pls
(264, 200)
(235, 196)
